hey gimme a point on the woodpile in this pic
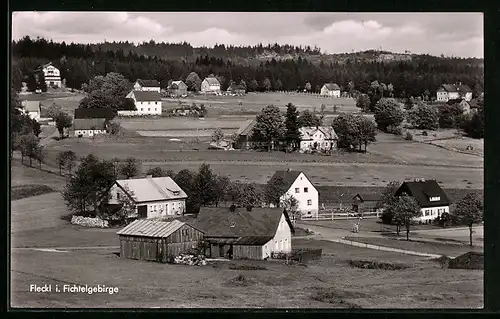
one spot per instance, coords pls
(190, 259)
(89, 222)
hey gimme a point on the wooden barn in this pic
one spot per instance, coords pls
(154, 240)
(245, 233)
(366, 203)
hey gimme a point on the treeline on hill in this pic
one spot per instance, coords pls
(79, 63)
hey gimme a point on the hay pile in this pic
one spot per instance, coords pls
(470, 260)
(191, 260)
(366, 264)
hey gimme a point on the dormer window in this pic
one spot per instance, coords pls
(176, 193)
(434, 199)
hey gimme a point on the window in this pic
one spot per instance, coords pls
(297, 190)
(142, 109)
(156, 103)
(117, 195)
(155, 109)
(154, 208)
(309, 202)
(308, 213)
(149, 109)
(306, 189)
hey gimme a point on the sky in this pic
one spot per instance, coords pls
(450, 34)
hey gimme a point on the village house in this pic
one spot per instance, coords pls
(177, 88)
(466, 106)
(299, 186)
(52, 75)
(429, 195)
(330, 89)
(95, 113)
(321, 138)
(453, 91)
(33, 109)
(153, 197)
(244, 135)
(89, 127)
(210, 85)
(366, 203)
(155, 240)
(146, 103)
(245, 233)
(147, 85)
(236, 89)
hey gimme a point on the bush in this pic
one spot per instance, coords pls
(388, 113)
(424, 133)
(409, 136)
(396, 130)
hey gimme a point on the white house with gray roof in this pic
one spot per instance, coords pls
(210, 85)
(321, 138)
(154, 197)
(330, 89)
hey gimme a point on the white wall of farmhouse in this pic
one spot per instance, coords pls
(207, 88)
(52, 76)
(282, 241)
(88, 133)
(306, 195)
(431, 213)
(147, 108)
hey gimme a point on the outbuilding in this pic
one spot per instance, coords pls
(366, 203)
(156, 240)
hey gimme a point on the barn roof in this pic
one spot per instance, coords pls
(307, 132)
(369, 197)
(31, 106)
(148, 83)
(89, 124)
(222, 222)
(151, 228)
(422, 191)
(147, 96)
(212, 81)
(152, 188)
(246, 128)
(244, 240)
(104, 112)
(332, 86)
(456, 87)
(175, 84)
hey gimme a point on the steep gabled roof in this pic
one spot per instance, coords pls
(147, 96)
(148, 83)
(176, 84)
(422, 191)
(152, 188)
(455, 88)
(369, 197)
(289, 177)
(236, 87)
(307, 132)
(31, 106)
(222, 222)
(104, 112)
(332, 86)
(246, 128)
(212, 81)
(90, 124)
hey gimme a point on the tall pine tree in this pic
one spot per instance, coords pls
(292, 134)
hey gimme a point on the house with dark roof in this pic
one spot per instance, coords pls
(154, 197)
(147, 85)
(156, 240)
(177, 88)
(453, 91)
(466, 105)
(89, 127)
(236, 89)
(210, 85)
(245, 135)
(299, 186)
(245, 233)
(95, 113)
(317, 138)
(330, 89)
(430, 196)
(366, 203)
(146, 103)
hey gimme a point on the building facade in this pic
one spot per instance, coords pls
(33, 109)
(453, 92)
(52, 75)
(177, 88)
(300, 187)
(210, 85)
(322, 138)
(89, 127)
(330, 89)
(147, 85)
(146, 103)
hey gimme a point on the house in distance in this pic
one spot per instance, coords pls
(299, 186)
(32, 108)
(321, 138)
(147, 85)
(210, 85)
(177, 88)
(146, 103)
(89, 127)
(453, 91)
(330, 89)
(366, 203)
(51, 74)
(429, 195)
(153, 197)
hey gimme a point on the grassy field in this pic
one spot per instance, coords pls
(327, 283)
(25, 191)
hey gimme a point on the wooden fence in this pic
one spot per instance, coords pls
(339, 214)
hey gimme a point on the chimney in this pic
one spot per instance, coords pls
(249, 208)
(232, 208)
(288, 169)
(149, 176)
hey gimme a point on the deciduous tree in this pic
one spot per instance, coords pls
(423, 117)
(269, 126)
(291, 204)
(193, 82)
(388, 113)
(405, 209)
(160, 172)
(469, 211)
(130, 167)
(217, 135)
(63, 120)
(363, 102)
(308, 118)
(274, 189)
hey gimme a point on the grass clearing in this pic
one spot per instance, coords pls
(25, 191)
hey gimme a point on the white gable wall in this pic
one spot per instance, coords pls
(282, 241)
(431, 213)
(302, 197)
(319, 138)
(205, 87)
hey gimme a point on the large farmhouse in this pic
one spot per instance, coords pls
(245, 233)
(147, 85)
(89, 127)
(158, 197)
(146, 103)
(454, 91)
(321, 138)
(429, 195)
(299, 186)
(330, 89)
(210, 85)
(51, 74)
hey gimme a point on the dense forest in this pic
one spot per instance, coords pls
(290, 67)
